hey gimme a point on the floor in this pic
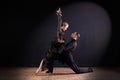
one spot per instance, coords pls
(60, 73)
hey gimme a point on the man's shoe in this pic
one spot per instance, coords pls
(90, 69)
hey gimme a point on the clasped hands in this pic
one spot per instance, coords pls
(60, 40)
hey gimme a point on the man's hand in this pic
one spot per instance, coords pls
(60, 40)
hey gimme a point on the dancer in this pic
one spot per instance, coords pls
(68, 58)
(56, 46)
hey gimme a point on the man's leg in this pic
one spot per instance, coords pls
(86, 70)
(68, 58)
(70, 62)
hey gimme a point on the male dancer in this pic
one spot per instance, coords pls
(68, 58)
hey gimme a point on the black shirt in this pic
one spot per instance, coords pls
(71, 46)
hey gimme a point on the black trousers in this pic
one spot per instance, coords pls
(68, 59)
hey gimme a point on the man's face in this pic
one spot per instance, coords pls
(74, 35)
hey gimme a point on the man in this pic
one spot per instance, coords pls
(68, 58)
(56, 46)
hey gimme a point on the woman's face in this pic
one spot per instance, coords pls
(64, 28)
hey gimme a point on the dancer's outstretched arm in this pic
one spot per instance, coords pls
(59, 15)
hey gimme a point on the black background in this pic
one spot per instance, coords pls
(19, 18)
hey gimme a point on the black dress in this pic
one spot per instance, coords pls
(53, 53)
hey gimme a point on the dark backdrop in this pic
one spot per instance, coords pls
(19, 20)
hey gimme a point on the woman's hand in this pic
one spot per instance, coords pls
(59, 12)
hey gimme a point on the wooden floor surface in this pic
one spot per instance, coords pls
(60, 73)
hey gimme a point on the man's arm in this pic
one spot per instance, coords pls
(69, 47)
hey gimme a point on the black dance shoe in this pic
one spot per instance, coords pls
(90, 69)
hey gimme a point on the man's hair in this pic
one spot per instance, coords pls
(64, 24)
(78, 35)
